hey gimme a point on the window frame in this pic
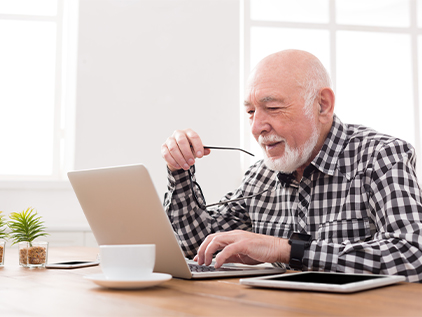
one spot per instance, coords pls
(333, 27)
(64, 90)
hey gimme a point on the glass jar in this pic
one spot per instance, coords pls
(33, 254)
(2, 251)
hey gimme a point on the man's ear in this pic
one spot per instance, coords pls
(326, 105)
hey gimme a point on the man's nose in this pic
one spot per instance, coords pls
(259, 123)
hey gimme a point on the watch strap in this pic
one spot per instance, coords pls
(299, 242)
(296, 254)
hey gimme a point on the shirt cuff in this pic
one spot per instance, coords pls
(322, 256)
(175, 177)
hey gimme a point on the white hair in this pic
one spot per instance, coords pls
(316, 78)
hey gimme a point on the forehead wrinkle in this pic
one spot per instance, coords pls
(271, 99)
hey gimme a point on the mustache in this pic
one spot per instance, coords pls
(270, 139)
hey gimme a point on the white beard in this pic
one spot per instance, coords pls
(292, 158)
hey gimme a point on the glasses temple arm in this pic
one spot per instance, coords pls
(227, 148)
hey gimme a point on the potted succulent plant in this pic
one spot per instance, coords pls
(25, 227)
(3, 237)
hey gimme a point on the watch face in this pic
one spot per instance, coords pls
(300, 236)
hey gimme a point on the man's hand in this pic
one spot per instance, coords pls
(240, 246)
(181, 149)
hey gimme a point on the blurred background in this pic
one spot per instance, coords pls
(95, 83)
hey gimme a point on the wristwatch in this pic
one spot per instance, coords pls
(299, 242)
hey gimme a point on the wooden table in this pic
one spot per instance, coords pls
(48, 292)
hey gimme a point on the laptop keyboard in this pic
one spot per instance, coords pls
(204, 268)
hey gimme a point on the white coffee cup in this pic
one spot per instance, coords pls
(128, 261)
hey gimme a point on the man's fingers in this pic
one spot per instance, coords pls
(215, 245)
(190, 146)
(181, 149)
(171, 162)
(200, 256)
(211, 245)
(239, 246)
(195, 143)
(231, 253)
(175, 156)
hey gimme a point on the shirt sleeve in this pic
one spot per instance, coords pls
(192, 224)
(395, 209)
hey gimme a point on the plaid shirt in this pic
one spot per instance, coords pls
(359, 199)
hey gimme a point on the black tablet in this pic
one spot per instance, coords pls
(71, 264)
(324, 281)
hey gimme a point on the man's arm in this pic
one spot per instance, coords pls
(193, 224)
(395, 207)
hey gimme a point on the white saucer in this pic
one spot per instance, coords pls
(150, 280)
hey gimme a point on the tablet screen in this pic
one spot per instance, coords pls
(324, 278)
(324, 281)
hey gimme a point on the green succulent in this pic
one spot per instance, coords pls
(26, 226)
(3, 226)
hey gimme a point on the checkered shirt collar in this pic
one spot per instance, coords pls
(327, 158)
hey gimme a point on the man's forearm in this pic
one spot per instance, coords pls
(190, 223)
(387, 254)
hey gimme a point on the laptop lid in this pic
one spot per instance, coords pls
(123, 207)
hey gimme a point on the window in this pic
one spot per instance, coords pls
(37, 83)
(371, 48)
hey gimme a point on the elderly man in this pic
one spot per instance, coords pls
(328, 196)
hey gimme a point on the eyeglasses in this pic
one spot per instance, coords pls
(197, 191)
(227, 148)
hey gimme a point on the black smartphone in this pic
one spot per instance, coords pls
(71, 264)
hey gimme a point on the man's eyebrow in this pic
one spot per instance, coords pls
(265, 99)
(270, 99)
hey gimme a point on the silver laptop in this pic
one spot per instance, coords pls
(123, 207)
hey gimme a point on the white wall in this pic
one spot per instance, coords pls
(146, 68)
